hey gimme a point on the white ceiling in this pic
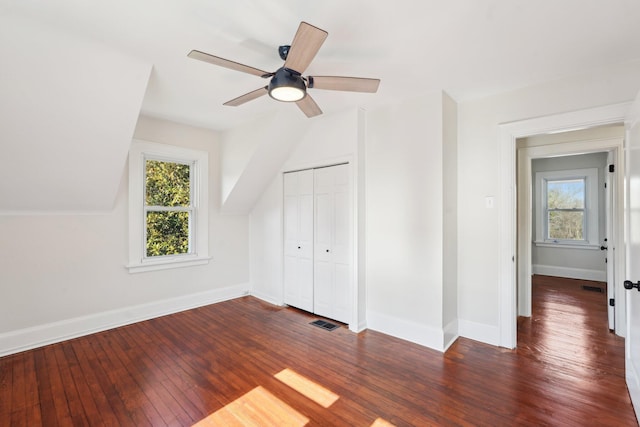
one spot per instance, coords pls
(470, 48)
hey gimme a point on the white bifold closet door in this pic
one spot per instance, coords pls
(298, 239)
(317, 249)
(331, 266)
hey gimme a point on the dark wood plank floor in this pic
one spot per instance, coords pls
(176, 370)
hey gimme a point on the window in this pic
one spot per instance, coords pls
(567, 208)
(168, 216)
(168, 208)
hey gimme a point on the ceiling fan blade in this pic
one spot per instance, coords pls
(304, 47)
(309, 106)
(215, 60)
(351, 84)
(247, 97)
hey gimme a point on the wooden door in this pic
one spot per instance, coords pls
(298, 239)
(332, 242)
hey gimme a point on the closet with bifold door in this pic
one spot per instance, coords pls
(317, 241)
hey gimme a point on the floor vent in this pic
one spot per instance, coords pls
(592, 288)
(324, 325)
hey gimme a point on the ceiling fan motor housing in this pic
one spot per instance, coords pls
(287, 85)
(283, 51)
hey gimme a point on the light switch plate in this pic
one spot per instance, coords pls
(488, 202)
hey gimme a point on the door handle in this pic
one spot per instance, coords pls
(603, 248)
(628, 284)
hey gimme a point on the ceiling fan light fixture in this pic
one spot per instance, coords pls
(287, 86)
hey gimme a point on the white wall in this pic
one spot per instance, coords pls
(65, 275)
(404, 211)
(68, 109)
(480, 173)
(254, 153)
(237, 148)
(266, 245)
(450, 220)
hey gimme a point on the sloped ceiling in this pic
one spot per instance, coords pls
(469, 48)
(68, 109)
(257, 163)
(75, 73)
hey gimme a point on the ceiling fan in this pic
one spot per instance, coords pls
(287, 83)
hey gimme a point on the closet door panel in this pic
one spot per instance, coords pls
(290, 226)
(298, 239)
(322, 289)
(341, 235)
(323, 275)
(341, 260)
(332, 243)
(305, 234)
(305, 238)
(341, 301)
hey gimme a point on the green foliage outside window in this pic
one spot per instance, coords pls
(565, 205)
(167, 185)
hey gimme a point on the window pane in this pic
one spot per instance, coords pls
(565, 194)
(167, 184)
(565, 225)
(167, 233)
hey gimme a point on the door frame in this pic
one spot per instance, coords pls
(507, 242)
(613, 191)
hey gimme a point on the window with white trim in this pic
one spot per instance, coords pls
(168, 215)
(567, 208)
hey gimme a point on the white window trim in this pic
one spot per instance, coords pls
(590, 175)
(199, 251)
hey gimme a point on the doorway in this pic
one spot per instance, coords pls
(510, 238)
(566, 218)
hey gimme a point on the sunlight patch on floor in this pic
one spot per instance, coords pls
(382, 423)
(256, 408)
(307, 388)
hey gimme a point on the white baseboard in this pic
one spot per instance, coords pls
(266, 298)
(450, 333)
(479, 332)
(41, 335)
(568, 272)
(633, 384)
(406, 330)
(358, 327)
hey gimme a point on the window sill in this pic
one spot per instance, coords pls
(567, 245)
(168, 263)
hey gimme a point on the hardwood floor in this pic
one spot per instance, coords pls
(178, 370)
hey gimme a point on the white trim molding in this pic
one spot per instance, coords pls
(589, 177)
(450, 334)
(50, 333)
(508, 133)
(406, 330)
(199, 246)
(480, 332)
(266, 298)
